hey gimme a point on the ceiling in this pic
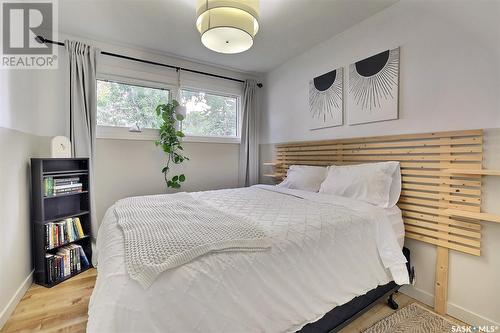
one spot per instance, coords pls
(287, 27)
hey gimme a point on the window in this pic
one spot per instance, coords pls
(124, 102)
(125, 105)
(210, 114)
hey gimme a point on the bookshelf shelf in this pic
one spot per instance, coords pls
(272, 166)
(482, 172)
(64, 195)
(63, 217)
(60, 218)
(50, 285)
(473, 215)
(64, 173)
(67, 243)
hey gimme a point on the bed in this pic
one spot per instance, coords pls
(326, 252)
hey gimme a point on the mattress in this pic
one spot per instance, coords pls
(325, 251)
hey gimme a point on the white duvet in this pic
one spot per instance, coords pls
(325, 251)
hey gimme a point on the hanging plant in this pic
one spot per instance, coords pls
(170, 141)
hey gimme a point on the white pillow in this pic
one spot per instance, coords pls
(376, 183)
(304, 177)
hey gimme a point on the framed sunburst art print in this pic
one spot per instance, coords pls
(374, 88)
(326, 100)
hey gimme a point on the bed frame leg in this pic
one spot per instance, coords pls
(392, 303)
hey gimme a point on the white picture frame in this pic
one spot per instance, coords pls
(373, 93)
(326, 100)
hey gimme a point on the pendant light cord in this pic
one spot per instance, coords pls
(209, 16)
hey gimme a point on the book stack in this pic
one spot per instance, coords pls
(62, 232)
(58, 186)
(68, 260)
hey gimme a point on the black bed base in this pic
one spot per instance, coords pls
(343, 315)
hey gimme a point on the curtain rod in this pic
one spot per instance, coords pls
(43, 40)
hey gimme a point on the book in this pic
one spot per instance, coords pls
(76, 250)
(75, 229)
(71, 259)
(63, 192)
(69, 230)
(68, 186)
(66, 266)
(56, 186)
(56, 268)
(48, 260)
(56, 234)
(48, 186)
(66, 181)
(79, 227)
(67, 190)
(68, 261)
(83, 257)
(62, 232)
(48, 239)
(60, 268)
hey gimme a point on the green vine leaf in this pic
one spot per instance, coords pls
(170, 141)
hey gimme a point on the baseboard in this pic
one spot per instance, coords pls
(11, 306)
(467, 316)
(418, 294)
(454, 310)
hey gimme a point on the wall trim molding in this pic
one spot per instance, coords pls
(148, 134)
(11, 305)
(454, 310)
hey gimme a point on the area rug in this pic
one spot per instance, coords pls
(413, 318)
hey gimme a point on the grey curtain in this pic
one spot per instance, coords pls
(249, 147)
(83, 109)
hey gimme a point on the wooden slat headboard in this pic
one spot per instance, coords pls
(431, 190)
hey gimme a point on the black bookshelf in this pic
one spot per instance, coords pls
(47, 209)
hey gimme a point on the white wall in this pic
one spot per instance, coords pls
(449, 80)
(34, 106)
(450, 72)
(22, 97)
(138, 172)
(33, 101)
(15, 246)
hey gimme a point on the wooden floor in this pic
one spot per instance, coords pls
(377, 312)
(63, 308)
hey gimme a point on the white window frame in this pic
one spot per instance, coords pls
(149, 134)
(123, 133)
(210, 138)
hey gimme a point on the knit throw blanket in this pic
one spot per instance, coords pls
(166, 231)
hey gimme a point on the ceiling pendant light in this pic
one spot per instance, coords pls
(227, 26)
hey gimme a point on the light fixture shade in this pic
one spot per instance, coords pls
(228, 26)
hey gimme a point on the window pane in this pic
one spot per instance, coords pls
(124, 105)
(209, 114)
